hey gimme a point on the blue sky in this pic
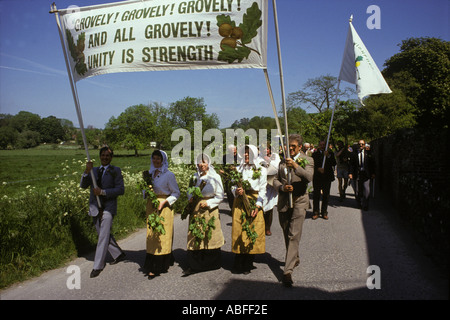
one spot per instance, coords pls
(312, 33)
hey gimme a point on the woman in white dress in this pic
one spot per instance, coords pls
(205, 254)
(159, 246)
(248, 229)
(271, 162)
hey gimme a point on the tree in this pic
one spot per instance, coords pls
(184, 112)
(256, 123)
(94, 137)
(318, 93)
(8, 137)
(422, 72)
(28, 139)
(133, 129)
(51, 130)
(298, 121)
(68, 127)
(163, 124)
(346, 122)
(384, 114)
(25, 120)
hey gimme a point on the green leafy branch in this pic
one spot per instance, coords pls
(246, 221)
(146, 185)
(256, 173)
(302, 162)
(154, 220)
(196, 194)
(230, 172)
(200, 229)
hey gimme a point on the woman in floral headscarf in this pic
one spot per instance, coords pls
(204, 221)
(248, 229)
(159, 246)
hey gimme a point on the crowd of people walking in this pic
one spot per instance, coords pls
(254, 181)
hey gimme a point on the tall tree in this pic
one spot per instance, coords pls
(318, 93)
(25, 120)
(184, 112)
(422, 72)
(133, 129)
(51, 130)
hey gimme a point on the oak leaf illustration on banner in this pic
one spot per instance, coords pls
(76, 51)
(235, 38)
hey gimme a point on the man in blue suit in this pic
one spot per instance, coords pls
(109, 186)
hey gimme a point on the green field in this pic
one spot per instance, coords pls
(43, 211)
(43, 167)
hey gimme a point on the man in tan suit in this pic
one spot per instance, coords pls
(301, 167)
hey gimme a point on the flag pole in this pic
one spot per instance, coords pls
(277, 121)
(283, 99)
(74, 94)
(331, 121)
(335, 102)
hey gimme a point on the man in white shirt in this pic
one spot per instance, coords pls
(361, 171)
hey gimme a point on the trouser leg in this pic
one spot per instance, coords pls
(106, 241)
(325, 196)
(268, 219)
(292, 224)
(316, 196)
(365, 193)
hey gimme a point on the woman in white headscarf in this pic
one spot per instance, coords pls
(271, 162)
(205, 254)
(159, 246)
(241, 244)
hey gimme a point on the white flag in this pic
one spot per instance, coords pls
(359, 68)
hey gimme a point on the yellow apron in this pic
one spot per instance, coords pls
(239, 240)
(159, 244)
(217, 240)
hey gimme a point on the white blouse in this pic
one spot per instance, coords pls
(213, 188)
(255, 184)
(271, 198)
(166, 184)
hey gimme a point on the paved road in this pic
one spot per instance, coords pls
(335, 255)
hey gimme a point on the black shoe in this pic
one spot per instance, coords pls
(121, 257)
(287, 280)
(95, 273)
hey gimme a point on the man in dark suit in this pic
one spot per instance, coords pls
(110, 185)
(322, 179)
(361, 171)
(301, 167)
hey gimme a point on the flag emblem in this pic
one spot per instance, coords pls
(359, 68)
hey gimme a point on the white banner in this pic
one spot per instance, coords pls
(165, 35)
